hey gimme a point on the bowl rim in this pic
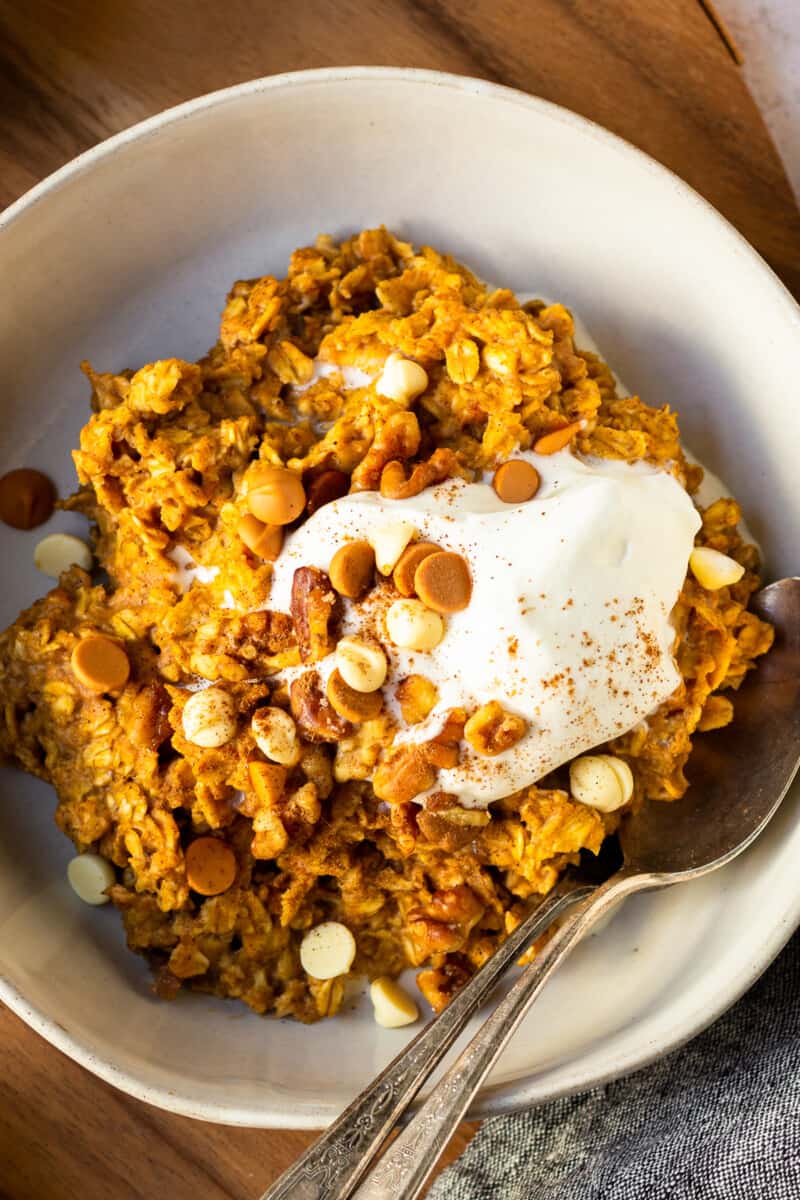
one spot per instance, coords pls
(520, 1093)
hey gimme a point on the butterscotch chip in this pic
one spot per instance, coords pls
(551, 443)
(100, 664)
(352, 568)
(268, 780)
(409, 560)
(352, 705)
(516, 481)
(443, 582)
(210, 866)
(275, 495)
(27, 498)
(265, 541)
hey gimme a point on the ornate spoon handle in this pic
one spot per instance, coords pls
(331, 1168)
(401, 1173)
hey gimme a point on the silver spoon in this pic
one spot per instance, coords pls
(738, 777)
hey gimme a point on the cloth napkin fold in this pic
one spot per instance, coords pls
(718, 1119)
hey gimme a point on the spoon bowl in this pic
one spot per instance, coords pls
(738, 775)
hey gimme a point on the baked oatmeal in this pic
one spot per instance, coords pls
(404, 607)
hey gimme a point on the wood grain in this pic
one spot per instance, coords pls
(75, 71)
(65, 1134)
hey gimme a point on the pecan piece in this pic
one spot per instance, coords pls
(316, 717)
(313, 602)
(148, 723)
(323, 487)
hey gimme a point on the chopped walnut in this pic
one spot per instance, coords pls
(457, 905)
(417, 698)
(445, 823)
(444, 924)
(427, 937)
(443, 757)
(395, 485)
(403, 774)
(443, 750)
(316, 766)
(313, 603)
(403, 821)
(398, 438)
(491, 729)
(302, 807)
(440, 984)
(261, 633)
(270, 837)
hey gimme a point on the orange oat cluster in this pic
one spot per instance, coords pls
(243, 796)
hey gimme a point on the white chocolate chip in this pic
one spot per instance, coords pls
(624, 774)
(600, 781)
(327, 950)
(89, 875)
(389, 542)
(714, 570)
(393, 1006)
(275, 734)
(362, 665)
(58, 552)
(209, 718)
(401, 379)
(412, 626)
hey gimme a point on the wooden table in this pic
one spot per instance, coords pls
(71, 73)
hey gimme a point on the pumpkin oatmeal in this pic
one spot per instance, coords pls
(404, 607)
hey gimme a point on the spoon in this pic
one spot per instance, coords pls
(737, 775)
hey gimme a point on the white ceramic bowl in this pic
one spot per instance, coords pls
(125, 255)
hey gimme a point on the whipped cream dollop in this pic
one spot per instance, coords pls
(568, 624)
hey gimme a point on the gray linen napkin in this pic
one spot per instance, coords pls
(718, 1119)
